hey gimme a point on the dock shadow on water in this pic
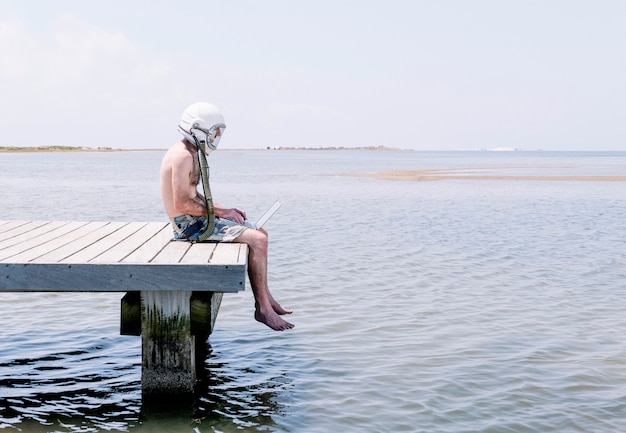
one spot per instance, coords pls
(226, 398)
(98, 388)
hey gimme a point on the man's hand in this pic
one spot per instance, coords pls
(234, 214)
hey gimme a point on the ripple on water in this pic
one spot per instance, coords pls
(419, 307)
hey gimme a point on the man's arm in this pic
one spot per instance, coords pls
(234, 214)
(187, 199)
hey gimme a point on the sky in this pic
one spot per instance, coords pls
(413, 74)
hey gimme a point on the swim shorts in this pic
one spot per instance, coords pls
(191, 227)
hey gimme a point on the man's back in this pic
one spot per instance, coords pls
(179, 177)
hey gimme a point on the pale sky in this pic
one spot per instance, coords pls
(413, 74)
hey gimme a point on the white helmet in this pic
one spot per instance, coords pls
(202, 124)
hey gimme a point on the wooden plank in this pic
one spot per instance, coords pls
(7, 225)
(98, 231)
(173, 252)
(26, 231)
(50, 246)
(90, 252)
(58, 233)
(129, 244)
(8, 230)
(230, 253)
(153, 246)
(92, 277)
(200, 253)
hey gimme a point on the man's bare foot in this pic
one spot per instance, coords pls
(272, 320)
(279, 309)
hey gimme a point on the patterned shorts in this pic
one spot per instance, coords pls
(191, 227)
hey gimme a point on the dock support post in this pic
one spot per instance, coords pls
(130, 314)
(204, 308)
(168, 348)
(174, 326)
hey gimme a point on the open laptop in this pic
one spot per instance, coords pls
(268, 214)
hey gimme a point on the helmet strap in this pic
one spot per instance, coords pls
(208, 199)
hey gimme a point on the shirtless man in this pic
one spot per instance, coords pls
(203, 124)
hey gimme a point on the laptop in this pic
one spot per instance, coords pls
(268, 214)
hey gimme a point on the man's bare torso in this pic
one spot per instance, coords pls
(180, 172)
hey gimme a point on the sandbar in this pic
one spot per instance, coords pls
(479, 174)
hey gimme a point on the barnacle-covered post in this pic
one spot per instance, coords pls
(168, 348)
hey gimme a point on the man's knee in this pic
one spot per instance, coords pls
(261, 239)
(255, 239)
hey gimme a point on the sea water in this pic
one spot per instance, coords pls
(442, 306)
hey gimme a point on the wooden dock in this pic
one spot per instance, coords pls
(173, 288)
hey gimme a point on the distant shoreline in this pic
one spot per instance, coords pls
(27, 149)
(16, 149)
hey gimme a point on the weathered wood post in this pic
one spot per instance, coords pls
(172, 325)
(168, 348)
(204, 308)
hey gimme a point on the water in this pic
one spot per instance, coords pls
(443, 306)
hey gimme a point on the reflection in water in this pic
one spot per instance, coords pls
(80, 382)
(231, 397)
(99, 390)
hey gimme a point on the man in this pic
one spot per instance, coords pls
(202, 126)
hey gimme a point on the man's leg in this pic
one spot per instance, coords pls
(267, 310)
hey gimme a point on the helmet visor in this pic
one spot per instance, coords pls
(214, 135)
(211, 136)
